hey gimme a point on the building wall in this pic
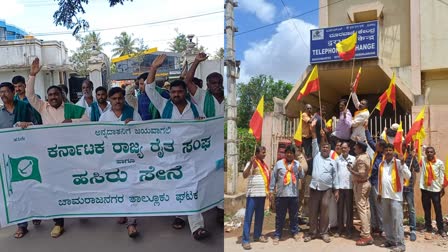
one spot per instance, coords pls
(434, 34)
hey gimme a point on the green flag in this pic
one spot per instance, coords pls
(24, 168)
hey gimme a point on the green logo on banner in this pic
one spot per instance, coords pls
(24, 168)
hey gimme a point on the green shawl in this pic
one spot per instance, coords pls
(209, 105)
(72, 111)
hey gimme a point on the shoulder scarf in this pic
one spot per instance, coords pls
(360, 111)
(209, 105)
(334, 155)
(72, 111)
(95, 112)
(21, 111)
(127, 113)
(405, 156)
(396, 183)
(289, 176)
(429, 172)
(264, 170)
(168, 110)
(373, 161)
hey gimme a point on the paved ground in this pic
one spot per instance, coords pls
(104, 234)
(339, 244)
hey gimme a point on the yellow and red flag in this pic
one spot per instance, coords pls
(298, 134)
(311, 85)
(347, 47)
(398, 141)
(355, 84)
(416, 127)
(387, 96)
(256, 122)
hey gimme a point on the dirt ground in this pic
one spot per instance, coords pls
(232, 240)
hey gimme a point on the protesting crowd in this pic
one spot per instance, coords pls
(181, 99)
(344, 166)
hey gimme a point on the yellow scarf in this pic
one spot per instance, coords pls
(264, 170)
(396, 183)
(360, 111)
(289, 176)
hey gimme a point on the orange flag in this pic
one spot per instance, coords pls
(399, 140)
(347, 48)
(387, 96)
(256, 122)
(298, 134)
(311, 85)
(416, 127)
(355, 84)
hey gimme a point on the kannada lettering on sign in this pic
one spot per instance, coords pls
(151, 168)
(323, 41)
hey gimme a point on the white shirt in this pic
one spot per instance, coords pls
(83, 103)
(439, 174)
(159, 102)
(107, 108)
(109, 116)
(344, 176)
(255, 183)
(386, 180)
(359, 119)
(199, 97)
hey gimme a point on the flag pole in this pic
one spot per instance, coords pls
(351, 83)
(320, 109)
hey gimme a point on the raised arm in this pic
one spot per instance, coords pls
(190, 74)
(314, 143)
(150, 87)
(355, 100)
(34, 101)
(370, 141)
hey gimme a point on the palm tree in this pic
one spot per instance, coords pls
(125, 44)
(94, 39)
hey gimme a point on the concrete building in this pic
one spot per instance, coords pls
(17, 55)
(10, 32)
(411, 41)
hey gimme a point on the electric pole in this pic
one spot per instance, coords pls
(232, 75)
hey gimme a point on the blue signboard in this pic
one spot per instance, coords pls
(323, 41)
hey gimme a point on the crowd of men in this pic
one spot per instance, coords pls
(343, 165)
(183, 100)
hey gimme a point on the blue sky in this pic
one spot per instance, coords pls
(281, 50)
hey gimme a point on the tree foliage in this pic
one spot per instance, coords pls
(68, 11)
(249, 95)
(124, 44)
(81, 56)
(180, 43)
(219, 54)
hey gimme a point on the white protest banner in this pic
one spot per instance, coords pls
(151, 168)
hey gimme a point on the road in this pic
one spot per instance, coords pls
(104, 234)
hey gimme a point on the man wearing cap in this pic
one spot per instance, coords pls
(361, 189)
(388, 135)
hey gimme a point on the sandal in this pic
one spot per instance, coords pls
(132, 231)
(178, 223)
(122, 220)
(200, 234)
(21, 232)
(36, 222)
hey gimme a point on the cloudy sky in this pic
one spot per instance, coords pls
(280, 50)
(36, 17)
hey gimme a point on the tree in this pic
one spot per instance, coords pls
(250, 94)
(125, 44)
(219, 54)
(67, 12)
(180, 43)
(81, 56)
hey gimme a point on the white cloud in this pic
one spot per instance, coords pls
(10, 8)
(285, 55)
(263, 10)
